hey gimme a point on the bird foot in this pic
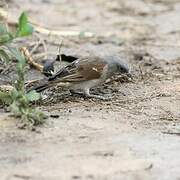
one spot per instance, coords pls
(87, 95)
(73, 92)
(98, 97)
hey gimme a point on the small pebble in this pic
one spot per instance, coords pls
(54, 115)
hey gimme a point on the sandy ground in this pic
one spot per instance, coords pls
(133, 137)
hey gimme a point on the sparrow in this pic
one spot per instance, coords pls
(85, 73)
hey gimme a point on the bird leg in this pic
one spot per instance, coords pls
(87, 94)
(72, 91)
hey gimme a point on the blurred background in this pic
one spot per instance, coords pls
(137, 24)
(136, 135)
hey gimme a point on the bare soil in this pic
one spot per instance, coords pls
(136, 135)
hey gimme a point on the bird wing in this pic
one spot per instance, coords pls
(80, 70)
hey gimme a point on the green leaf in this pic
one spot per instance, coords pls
(16, 54)
(33, 96)
(4, 39)
(15, 109)
(5, 36)
(24, 27)
(5, 97)
(3, 29)
(4, 56)
(14, 94)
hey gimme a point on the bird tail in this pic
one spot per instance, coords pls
(42, 84)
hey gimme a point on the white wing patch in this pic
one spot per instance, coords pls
(95, 69)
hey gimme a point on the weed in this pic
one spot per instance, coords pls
(17, 99)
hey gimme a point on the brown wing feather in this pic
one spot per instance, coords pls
(91, 71)
(80, 70)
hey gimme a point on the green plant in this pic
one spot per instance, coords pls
(17, 99)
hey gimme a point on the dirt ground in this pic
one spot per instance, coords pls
(136, 135)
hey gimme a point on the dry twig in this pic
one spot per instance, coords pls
(30, 60)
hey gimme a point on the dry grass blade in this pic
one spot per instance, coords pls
(46, 31)
(30, 60)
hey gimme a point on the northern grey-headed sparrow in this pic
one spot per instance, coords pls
(85, 73)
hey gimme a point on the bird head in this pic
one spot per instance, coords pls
(123, 68)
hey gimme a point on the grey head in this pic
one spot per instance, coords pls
(117, 65)
(122, 67)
